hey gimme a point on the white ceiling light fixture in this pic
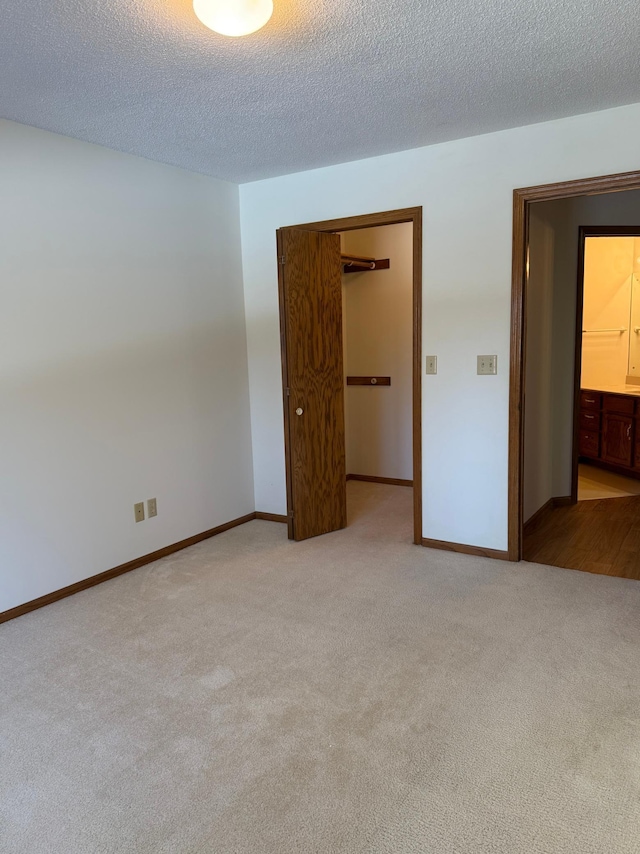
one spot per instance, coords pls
(233, 17)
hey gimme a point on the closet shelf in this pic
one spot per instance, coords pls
(369, 381)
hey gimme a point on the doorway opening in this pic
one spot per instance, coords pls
(350, 295)
(575, 402)
(377, 287)
(607, 451)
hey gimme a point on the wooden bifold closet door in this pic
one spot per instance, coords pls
(310, 279)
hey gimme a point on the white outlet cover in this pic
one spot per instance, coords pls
(432, 365)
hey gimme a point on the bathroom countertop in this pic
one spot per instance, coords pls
(632, 390)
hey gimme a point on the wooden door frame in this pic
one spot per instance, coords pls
(522, 199)
(354, 223)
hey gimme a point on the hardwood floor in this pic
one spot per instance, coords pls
(601, 536)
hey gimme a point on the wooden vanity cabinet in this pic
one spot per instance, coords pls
(616, 439)
(590, 424)
(609, 430)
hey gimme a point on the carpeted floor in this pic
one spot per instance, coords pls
(353, 693)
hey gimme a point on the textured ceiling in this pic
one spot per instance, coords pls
(325, 81)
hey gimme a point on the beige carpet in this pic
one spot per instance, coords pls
(353, 693)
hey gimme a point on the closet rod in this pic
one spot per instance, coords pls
(358, 260)
(368, 265)
(362, 264)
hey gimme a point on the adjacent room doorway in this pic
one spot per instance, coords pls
(595, 429)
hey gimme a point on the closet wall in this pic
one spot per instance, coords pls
(377, 331)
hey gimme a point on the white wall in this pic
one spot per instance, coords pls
(123, 370)
(378, 322)
(465, 188)
(538, 444)
(550, 353)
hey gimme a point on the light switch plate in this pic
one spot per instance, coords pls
(138, 510)
(432, 365)
(152, 507)
(487, 365)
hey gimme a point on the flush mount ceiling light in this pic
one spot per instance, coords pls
(233, 17)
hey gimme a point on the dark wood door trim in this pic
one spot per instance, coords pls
(461, 548)
(285, 390)
(352, 223)
(577, 368)
(522, 199)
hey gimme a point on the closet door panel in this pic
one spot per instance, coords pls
(311, 320)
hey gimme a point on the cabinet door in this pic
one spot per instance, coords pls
(636, 444)
(616, 439)
(589, 444)
(619, 403)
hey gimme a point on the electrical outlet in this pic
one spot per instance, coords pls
(138, 510)
(152, 507)
(487, 365)
(432, 365)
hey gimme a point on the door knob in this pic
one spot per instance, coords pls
(299, 410)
